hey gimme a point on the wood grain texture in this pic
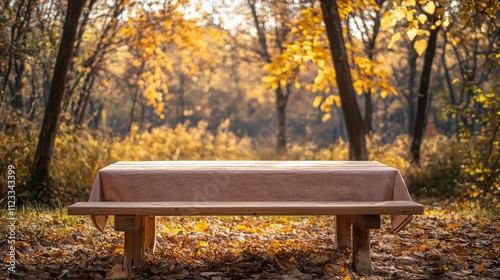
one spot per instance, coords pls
(361, 261)
(343, 231)
(138, 242)
(187, 208)
(150, 233)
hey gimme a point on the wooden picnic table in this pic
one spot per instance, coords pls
(357, 192)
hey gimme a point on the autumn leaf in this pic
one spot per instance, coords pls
(201, 226)
(481, 267)
(317, 101)
(117, 272)
(326, 117)
(420, 46)
(358, 86)
(388, 20)
(384, 93)
(395, 37)
(430, 7)
(422, 18)
(412, 33)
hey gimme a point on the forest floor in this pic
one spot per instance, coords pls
(441, 244)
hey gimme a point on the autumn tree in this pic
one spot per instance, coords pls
(305, 46)
(41, 163)
(434, 15)
(365, 20)
(165, 52)
(424, 21)
(271, 21)
(97, 41)
(15, 48)
(352, 114)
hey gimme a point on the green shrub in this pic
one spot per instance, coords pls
(479, 148)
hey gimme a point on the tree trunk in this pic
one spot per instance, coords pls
(412, 64)
(46, 88)
(281, 102)
(181, 107)
(88, 90)
(82, 98)
(17, 43)
(96, 108)
(281, 94)
(17, 102)
(368, 112)
(354, 121)
(143, 115)
(132, 110)
(422, 96)
(41, 164)
(451, 122)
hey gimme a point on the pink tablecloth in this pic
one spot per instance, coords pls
(249, 181)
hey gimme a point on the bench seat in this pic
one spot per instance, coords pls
(245, 208)
(137, 220)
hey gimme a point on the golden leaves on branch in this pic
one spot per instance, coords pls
(418, 22)
(420, 46)
(395, 37)
(307, 49)
(162, 41)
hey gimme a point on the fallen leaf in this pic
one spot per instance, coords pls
(117, 272)
(481, 267)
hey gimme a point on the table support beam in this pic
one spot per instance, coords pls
(134, 243)
(361, 242)
(150, 233)
(343, 231)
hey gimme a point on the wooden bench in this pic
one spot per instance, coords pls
(137, 220)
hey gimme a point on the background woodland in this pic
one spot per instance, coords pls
(187, 79)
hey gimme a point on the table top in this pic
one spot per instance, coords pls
(203, 181)
(243, 164)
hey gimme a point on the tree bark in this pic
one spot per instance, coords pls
(88, 90)
(354, 121)
(423, 95)
(17, 102)
(368, 113)
(181, 106)
(412, 64)
(132, 110)
(281, 101)
(452, 122)
(40, 169)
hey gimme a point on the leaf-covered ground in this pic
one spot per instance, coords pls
(438, 245)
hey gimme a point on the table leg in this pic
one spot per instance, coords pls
(133, 226)
(150, 233)
(343, 231)
(361, 242)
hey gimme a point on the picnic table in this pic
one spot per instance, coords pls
(356, 192)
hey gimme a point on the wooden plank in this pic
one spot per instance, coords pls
(128, 251)
(134, 242)
(150, 233)
(138, 240)
(343, 231)
(125, 223)
(366, 221)
(187, 208)
(361, 247)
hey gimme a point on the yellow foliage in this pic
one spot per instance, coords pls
(152, 35)
(420, 46)
(307, 44)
